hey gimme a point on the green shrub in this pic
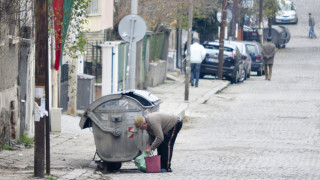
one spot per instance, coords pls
(28, 143)
(8, 148)
(50, 177)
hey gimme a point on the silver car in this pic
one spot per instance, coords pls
(287, 13)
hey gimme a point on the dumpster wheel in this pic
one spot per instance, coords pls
(106, 167)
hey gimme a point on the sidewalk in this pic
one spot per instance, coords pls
(71, 149)
(172, 95)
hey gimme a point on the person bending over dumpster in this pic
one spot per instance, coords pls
(163, 130)
(268, 52)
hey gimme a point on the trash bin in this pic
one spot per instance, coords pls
(287, 33)
(278, 36)
(112, 120)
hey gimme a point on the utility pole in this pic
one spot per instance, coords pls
(234, 18)
(133, 49)
(42, 88)
(260, 21)
(221, 39)
(190, 16)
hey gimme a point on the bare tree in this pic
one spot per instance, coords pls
(158, 14)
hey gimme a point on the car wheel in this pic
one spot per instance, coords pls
(242, 75)
(249, 74)
(108, 166)
(259, 72)
(234, 80)
(113, 166)
(245, 74)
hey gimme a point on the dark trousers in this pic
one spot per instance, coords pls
(195, 73)
(166, 147)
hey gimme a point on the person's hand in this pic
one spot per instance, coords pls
(148, 149)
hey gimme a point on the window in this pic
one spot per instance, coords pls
(93, 8)
(208, 46)
(252, 49)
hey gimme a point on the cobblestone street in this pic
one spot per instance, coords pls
(258, 129)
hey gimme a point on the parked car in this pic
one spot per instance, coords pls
(255, 51)
(287, 12)
(233, 66)
(250, 34)
(245, 56)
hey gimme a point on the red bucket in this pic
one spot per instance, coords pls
(153, 164)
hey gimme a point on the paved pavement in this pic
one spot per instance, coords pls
(72, 150)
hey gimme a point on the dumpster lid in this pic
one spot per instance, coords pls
(146, 100)
(85, 76)
(144, 97)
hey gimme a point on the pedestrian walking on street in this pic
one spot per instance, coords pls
(163, 130)
(311, 25)
(197, 54)
(268, 53)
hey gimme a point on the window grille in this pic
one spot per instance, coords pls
(93, 8)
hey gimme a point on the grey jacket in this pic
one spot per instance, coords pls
(268, 52)
(159, 124)
(311, 21)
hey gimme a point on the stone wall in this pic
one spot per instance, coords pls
(9, 116)
(157, 73)
(8, 88)
(4, 126)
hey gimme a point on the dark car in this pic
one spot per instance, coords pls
(233, 68)
(245, 56)
(250, 34)
(255, 50)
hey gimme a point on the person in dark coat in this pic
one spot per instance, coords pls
(163, 129)
(268, 53)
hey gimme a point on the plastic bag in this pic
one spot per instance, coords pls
(141, 162)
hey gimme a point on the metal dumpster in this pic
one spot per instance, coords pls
(287, 33)
(112, 120)
(278, 36)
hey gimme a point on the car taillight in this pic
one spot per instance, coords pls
(258, 58)
(233, 54)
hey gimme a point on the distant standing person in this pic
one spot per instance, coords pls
(268, 52)
(311, 25)
(197, 54)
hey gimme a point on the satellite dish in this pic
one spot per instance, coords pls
(228, 18)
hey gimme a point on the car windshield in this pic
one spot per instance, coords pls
(240, 46)
(209, 46)
(287, 6)
(252, 48)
